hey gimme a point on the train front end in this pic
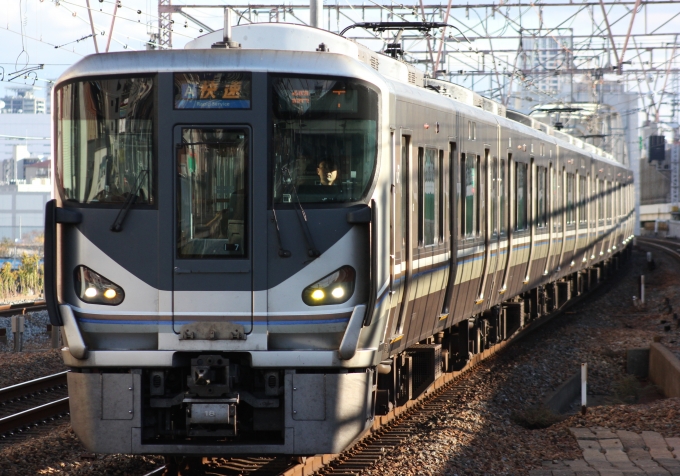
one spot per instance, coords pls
(208, 250)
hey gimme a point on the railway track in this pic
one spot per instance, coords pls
(28, 404)
(671, 247)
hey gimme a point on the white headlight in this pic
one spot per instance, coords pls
(338, 292)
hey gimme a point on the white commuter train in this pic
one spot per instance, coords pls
(254, 250)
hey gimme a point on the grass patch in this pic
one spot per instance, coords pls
(536, 418)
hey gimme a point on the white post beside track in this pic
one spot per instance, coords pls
(584, 388)
(642, 289)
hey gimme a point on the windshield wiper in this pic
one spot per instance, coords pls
(312, 252)
(129, 201)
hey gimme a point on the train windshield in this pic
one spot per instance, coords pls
(324, 139)
(105, 141)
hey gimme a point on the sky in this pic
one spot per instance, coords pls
(57, 33)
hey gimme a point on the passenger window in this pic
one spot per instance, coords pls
(421, 186)
(429, 193)
(405, 145)
(582, 210)
(469, 173)
(503, 194)
(443, 203)
(600, 200)
(570, 199)
(541, 202)
(522, 195)
(494, 194)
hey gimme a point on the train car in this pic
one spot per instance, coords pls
(258, 243)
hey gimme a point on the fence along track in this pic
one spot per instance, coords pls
(21, 308)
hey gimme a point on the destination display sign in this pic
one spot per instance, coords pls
(213, 90)
(301, 95)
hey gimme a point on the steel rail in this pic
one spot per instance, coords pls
(32, 386)
(655, 243)
(37, 414)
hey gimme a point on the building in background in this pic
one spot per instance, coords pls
(29, 130)
(22, 100)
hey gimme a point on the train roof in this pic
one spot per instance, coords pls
(288, 36)
(287, 47)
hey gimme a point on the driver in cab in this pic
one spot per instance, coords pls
(327, 170)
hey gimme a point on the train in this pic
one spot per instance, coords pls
(260, 242)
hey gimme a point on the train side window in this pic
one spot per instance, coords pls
(600, 200)
(469, 167)
(610, 190)
(469, 130)
(443, 203)
(474, 131)
(522, 195)
(503, 195)
(421, 158)
(405, 146)
(582, 209)
(494, 194)
(570, 199)
(429, 195)
(480, 196)
(541, 202)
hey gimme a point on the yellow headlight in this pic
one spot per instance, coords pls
(110, 294)
(318, 294)
(90, 292)
(338, 292)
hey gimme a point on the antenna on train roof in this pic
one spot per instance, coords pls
(226, 33)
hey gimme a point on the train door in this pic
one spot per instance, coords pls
(401, 231)
(212, 258)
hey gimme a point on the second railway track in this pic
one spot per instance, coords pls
(30, 403)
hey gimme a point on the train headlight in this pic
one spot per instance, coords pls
(94, 288)
(335, 288)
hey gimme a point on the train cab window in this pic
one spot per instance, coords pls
(571, 195)
(582, 209)
(105, 141)
(324, 142)
(212, 193)
(469, 174)
(522, 195)
(429, 194)
(541, 197)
